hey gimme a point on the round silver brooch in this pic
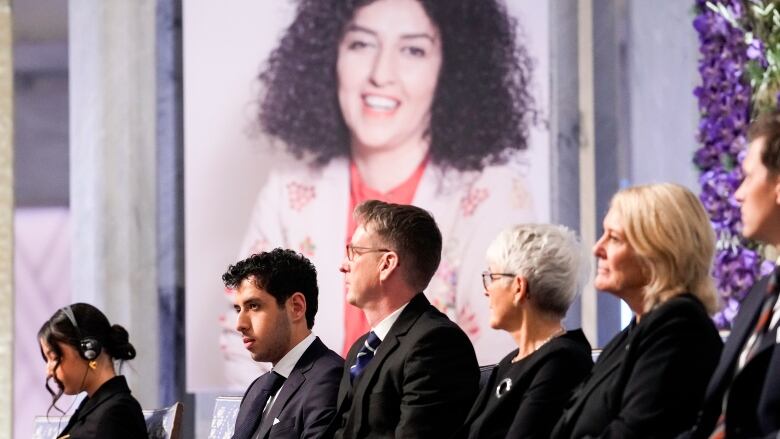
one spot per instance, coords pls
(503, 387)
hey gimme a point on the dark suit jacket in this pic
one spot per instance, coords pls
(110, 412)
(305, 405)
(541, 385)
(753, 408)
(421, 382)
(650, 379)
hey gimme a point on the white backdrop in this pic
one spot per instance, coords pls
(226, 163)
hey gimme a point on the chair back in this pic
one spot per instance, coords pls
(48, 427)
(223, 420)
(484, 374)
(164, 423)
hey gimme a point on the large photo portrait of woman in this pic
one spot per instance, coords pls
(295, 112)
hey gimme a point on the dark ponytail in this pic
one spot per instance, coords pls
(118, 345)
(92, 323)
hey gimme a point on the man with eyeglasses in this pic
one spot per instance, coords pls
(415, 373)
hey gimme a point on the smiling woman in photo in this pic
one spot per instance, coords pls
(422, 102)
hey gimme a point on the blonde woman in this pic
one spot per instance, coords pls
(655, 255)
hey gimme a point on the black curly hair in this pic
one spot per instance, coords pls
(280, 273)
(481, 109)
(92, 323)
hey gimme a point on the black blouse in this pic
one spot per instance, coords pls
(650, 379)
(111, 412)
(526, 398)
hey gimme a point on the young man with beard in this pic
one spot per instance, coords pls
(276, 301)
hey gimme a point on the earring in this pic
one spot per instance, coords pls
(93, 364)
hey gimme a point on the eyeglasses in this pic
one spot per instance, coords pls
(353, 250)
(488, 277)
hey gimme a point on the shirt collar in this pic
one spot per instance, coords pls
(285, 366)
(383, 327)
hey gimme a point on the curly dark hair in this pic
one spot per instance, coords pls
(281, 273)
(482, 105)
(90, 323)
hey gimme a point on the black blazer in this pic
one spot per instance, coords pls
(753, 408)
(540, 389)
(421, 383)
(110, 412)
(306, 403)
(650, 379)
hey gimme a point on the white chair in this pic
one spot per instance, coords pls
(164, 423)
(223, 421)
(47, 427)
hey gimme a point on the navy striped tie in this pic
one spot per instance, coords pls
(365, 355)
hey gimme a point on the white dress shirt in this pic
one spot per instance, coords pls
(285, 367)
(382, 328)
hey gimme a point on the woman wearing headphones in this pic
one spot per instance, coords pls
(80, 346)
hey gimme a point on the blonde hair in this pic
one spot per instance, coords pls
(670, 233)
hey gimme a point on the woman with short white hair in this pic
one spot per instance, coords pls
(535, 271)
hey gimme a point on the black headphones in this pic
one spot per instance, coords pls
(89, 347)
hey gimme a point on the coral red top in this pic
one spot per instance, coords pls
(355, 324)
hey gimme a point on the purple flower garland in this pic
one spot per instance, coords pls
(724, 102)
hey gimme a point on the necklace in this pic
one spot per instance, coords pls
(557, 333)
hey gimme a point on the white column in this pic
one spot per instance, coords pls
(663, 53)
(565, 125)
(113, 177)
(587, 160)
(6, 222)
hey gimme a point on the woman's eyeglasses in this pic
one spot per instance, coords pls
(488, 277)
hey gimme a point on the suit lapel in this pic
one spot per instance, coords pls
(405, 321)
(292, 384)
(749, 309)
(768, 340)
(612, 357)
(246, 423)
(345, 387)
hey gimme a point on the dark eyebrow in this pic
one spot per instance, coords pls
(422, 35)
(252, 301)
(358, 28)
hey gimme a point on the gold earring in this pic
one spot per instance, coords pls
(93, 364)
